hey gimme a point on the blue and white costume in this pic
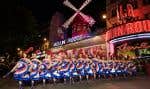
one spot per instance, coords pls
(55, 70)
(34, 74)
(88, 69)
(22, 70)
(73, 69)
(65, 69)
(98, 67)
(81, 68)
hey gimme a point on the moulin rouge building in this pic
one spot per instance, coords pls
(128, 28)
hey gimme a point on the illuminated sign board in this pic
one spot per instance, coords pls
(71, 40)
(131, 37)
(128, 29)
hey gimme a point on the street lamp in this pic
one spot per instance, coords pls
(18, 49)
(104, 16)
(45, 39)
(45, 44)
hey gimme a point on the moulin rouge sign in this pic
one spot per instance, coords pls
(127, 29)
(71, 40)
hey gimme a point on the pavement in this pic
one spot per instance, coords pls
(142, 82)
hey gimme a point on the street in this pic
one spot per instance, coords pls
(130, 83)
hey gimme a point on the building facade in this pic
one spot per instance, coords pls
(56, 32)
(124, 11)
(128, 27)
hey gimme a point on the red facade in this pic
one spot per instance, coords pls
(128, 29)
(79, 26)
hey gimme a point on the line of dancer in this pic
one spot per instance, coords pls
(68, 67)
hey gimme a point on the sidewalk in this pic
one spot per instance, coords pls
(131, 83)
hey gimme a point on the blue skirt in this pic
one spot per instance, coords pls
(22, 77)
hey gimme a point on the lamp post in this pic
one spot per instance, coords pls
(45, 39)
(45, 44)
(104, 16)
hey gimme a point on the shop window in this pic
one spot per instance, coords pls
(113, 13)
(146, 2)
(111, 1)
(135, 4)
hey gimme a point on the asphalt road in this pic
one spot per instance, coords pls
(130, 83)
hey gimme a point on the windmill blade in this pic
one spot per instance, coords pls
(68, 4)
(84, 4)
(88, 19)
(67, 23)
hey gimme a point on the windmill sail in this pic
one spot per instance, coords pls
(68, 22)
(67, 3)
(88, 19)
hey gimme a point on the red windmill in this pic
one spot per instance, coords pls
(79, 21)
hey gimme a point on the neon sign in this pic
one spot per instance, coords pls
(71, 40)
(131, 37)
(144, 52)
(127, 29)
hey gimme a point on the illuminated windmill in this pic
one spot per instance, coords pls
(80, 22)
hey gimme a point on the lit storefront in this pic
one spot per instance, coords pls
(129, 40)
(90, 43)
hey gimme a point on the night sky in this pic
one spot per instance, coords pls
(44, 9)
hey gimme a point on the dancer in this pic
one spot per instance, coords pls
(80, 66)
(88, 68)
(21, 70)
(34, 72)
(94, 65)
(73, 69)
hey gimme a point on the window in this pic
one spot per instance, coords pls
(133, 3)
(112, 1)
(147, 16)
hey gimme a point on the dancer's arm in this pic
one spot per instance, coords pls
(39, 61)
(29, 64)
(12, 70)
(29, 61)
